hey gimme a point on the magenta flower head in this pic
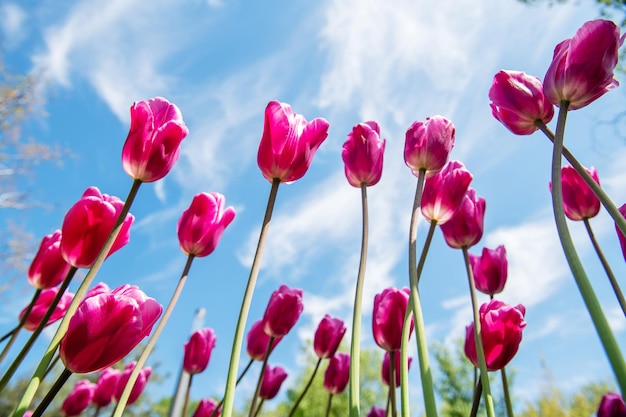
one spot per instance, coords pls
(201, 226)
(78, 400)
(106, 327)
(288, 143)
(384, 373)
(206, 407)
(140, 383)
(363, 154)
(501, 332)
(258, 341)
(282, 311)
(105, 387)
(88, 224)
(620, 235)
(518, 102)
(152, 146)
(444, 192)
(428, 145)
(582, 66)
(579, 201)
(490, 270)
(388, 317)
(327, 337)
(612, 405)
(465, 228)
(272, 380)
(48, 268)
(198, 350)
(377, 412)
(41, 306)
(337, 373)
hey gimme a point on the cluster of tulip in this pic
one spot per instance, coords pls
(101, 326)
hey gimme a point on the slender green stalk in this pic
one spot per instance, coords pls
(258, 410)
(355, 345)
(392, 383)
(132, 378)
(229, 394)
(238, 380)
(19, 326)
(478, 391)
(187, 394)
(607, 338)
(8, 334)
(306, 388)
(54, 390)
(484, 376)
(507, 395)
(607, 268)
(405, 409)
(329, 404)
(97, 411)
(608, 204)
(253, 409)
(42, 324)
(31, 389)
(56, 360)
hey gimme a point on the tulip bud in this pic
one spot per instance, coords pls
(288, 143)
(428, 144)
(283, 311)
(465, 227)
(363, 154)
(490, 270)
(579, 201)
(48, 268)
(42, 304)
(105, 387)
(501, 333)
(327, 337)
(612, 405)
(140, 383)
(206, 407)
(198, 350)
(444, 192)
(337, 373)
(377, 412)
(153, 142)
(258, 341)
(385, 371)
(620, 235)
(388, 317)
(272, 380)
(78, 400)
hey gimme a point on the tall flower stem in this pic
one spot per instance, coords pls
(392, 383)
(484, 376)
(229, 393)
(507, 395)
(415, 271)
(478, 391)
(258, 409)
(31, 389)
(607, 268)
(54, 390)
(187, 394)
(606, 201)
(257, 390)
(132, 378)
(19, 326)
(306, 388)
(243, 373)
(329, 405)
(582, 281)
(405, 409)
(33, 337)
(355, 345)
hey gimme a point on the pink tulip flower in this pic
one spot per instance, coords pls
(99, 288)
(48, 268)
(288, 143)
(612, 405)
(388, 317)
(444, 192)
(282, 311)
(258, 341)
(206, 407)
(272, 380)
(490, 270)
(106, 327)
(105, 387)
(201, 226)
(501, 334)
(465, 228)
(88, 224)
(140, 383)
(377, 412)
(337, 373)
(396, 368)
(78, 400)
(153, 142)
(428, 145)
(582, 66)
(198, 350)
(363, 154)
(620, 235)
(328, 336)
(579, 201)
(518, 102)
(41, 306)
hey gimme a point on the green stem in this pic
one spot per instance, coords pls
(355, 346)
(507, 395)
(238, 380)
(606, 201)
(306, 388)
(484, 376)
(229, 394)
(253, 411)
(329, 404)
(258, 410)
(97, 411)
(132, 378)
(187, 394)
(52, 365)
(584, 286)
(31, 389)
(54, 390)
(19, 326)
(607, 268)
(42, 324)
(404, 362)
(392, 383)
(478, 391)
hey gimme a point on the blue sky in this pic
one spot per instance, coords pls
(347, 61)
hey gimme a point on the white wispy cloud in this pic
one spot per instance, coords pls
(12, 24)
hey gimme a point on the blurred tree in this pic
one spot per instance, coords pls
(614, 9)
